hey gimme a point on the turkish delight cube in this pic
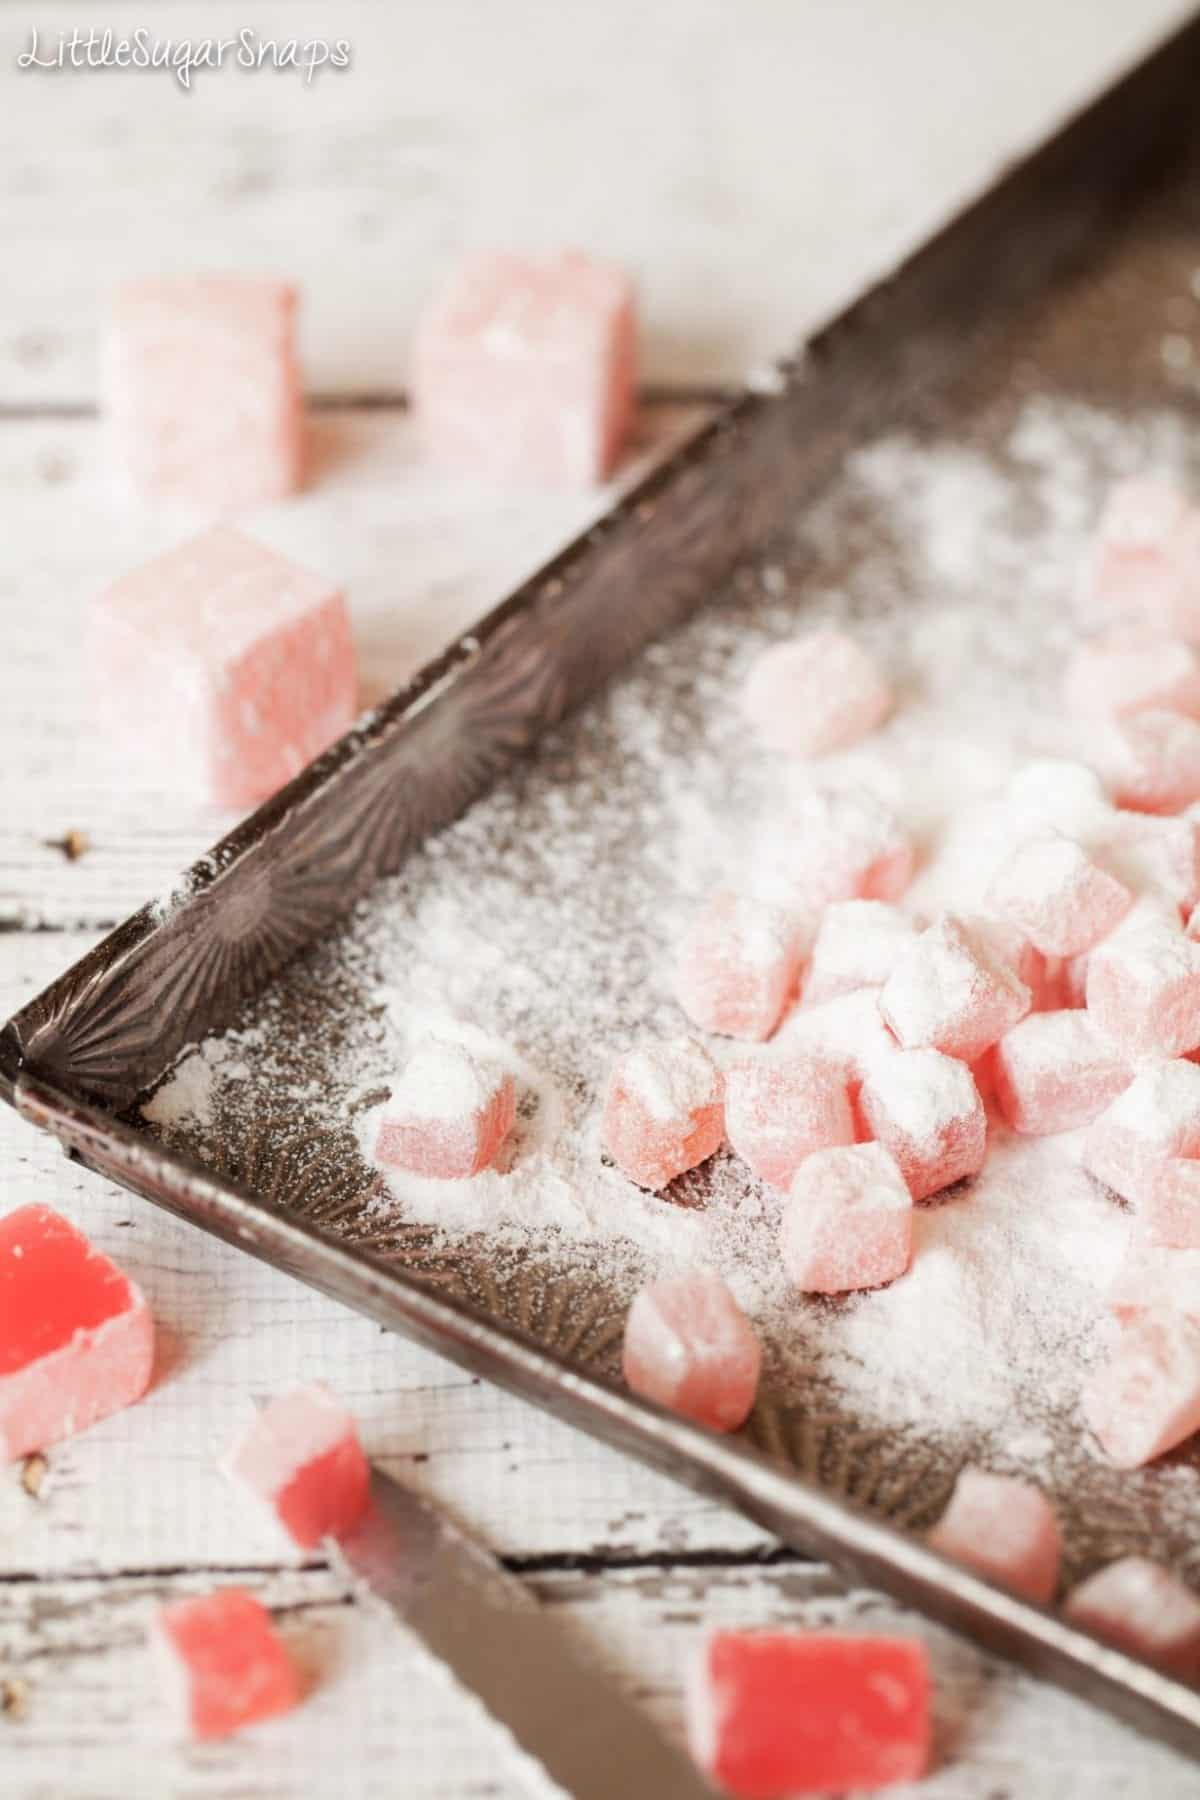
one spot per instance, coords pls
(834, 844)
(1143, 1609)
(300, 1456)
(950, 991)
(224, 1663)
(1129, 672)
(848, 1222)
(816, 693)
(1063, 901)
(1156, 857)
(1055, 1071)
(1130, 568)
(924, 1108)
(856, 946)
(739, 964)
(449, 1113)
(664, 1111)
(1146, 1398)
(1005, 1529)
(1169, 1205)
(1150, 761)
(689, 1347)
(1143, 990)
(1157, 1117)
(778, 1111)
(846, 1032)
(1155, 1278)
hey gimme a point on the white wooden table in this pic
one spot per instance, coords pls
(754, 177)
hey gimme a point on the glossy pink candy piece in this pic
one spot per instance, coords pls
(951, 991)
(664, 1111)
(1131, 568)
(1143, 990)
(738, 966)
(1143, 1609)
(1150, 761)
(1005, 1529)
(1156, 1118)
(1129, 672)
(1145, 1398)
(815, 693)
(524, 368)
(924, 1108)
(76, 1335)
(1055, 1071)
(779, 1111)
(203, 390)
(690, 1348)
(301, 1457)
(449, 1113)
(856, 947)
(1051, 890)
(225, 1665)
(848, 1222)
(1168, 1212)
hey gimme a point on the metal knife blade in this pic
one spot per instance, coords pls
(488, 1628)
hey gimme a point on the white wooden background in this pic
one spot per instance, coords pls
(755, 174)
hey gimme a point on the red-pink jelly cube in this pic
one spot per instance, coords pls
(1168, 1211)
(815, 693)
(738, 966)
(1055, 1071)
(1130, 569)
(203, 389)
(1143, 989)
(524, 369)
(225, 1664)
(222, 666)
(1052, 891)
(1146, 1398)
(664, 1111)
(1157, 1117)
(1155, 1278)
(449, 1113)
(1150, 761)
(777, 1112)
(301, 1456)
(1005, 1529)
(924, 1108)
(856, 947)
(1143, 1609)
(846, 1032)
(950, 991)
(690, 1348)
(835, 844)
(848, 1223)
(76, 1335)
(777, 1713)
(1128, 672)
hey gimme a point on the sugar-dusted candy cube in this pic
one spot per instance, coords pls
(848, 1222)
(1053, 793)
(775, 1713)
(1150, 761)
(950, 991)
(76, 1335)
(1129, 672)
(203, 389)
(1146, 1398)
(856, 947)
(1143, 1609)
(1156, 857)
(1005, 1529)
(664, 1111)
(1157, 1117)
(1143, 990)
(1168, 1210)
(224, 1664)
(924, 1108)
(689, 1347)
(846, 1032)
(1130, 569)
(300, 1456)
(524, 368)
(223, 666)
(778, 1111)
(1055, 1071)
(1155, 1278)
(1052, 891)
(449, 1112)
(835, 844)
(1008, 944)
(738, 965)
(815, 693)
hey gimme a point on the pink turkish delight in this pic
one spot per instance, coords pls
(449, 1114)
(1157, 857)
(950, 991)
(664, 1111)
(1051, 793)
(1143, 989)
(816, 693)
(1156, 1278)
(1131, 569)
(1169, 1205)
(1144, 1610)
(1055, 1071)
(1052, 891)
(924, 1108)
(301, 1457)
(203, 390)
(846, 1032)
(224, 1663)
(773, 1713)
(1150, 761)
(738, 966)
(778, 1112)
(1146, 1398)
(1005, 1529)
(1128, 672)
(524, 368)
(835, 844)
(1156, 1118)
(848, 1222)
(856, 947)
(690, 1348)
(76, 1335)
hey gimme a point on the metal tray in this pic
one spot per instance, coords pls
(1058, 283)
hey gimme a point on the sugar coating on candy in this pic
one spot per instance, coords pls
(848, 1221)
(1158, 857)
(664, 1111)
(1055, 794)
(1042, 975)
(523, 368)
(1005, 1529)
(1141, 1608)
(773, 1713)
(1146, 1398)
(223, 666)
(925, 1109)
(1153, 1278)
(203, 389)
(834, 844)
(1168, 1212)
(1128, 672)
(301, 1457)
(449, 1113)
(222, 1662)
(689, 1347)
(778, 1111)
(1143, 989)
(847, 1032)
(1055, 1071)
(76, 1335)
(1130, 568)
(1052, 891)
(856, 946)
(1156, 1118)
(950, 991)
(1150, 762)
(738, 965)
(816, 693)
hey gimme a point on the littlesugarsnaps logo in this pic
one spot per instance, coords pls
(182, 57)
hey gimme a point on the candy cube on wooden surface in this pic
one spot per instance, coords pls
(203, 390)
(1055, 1071)
(76, 1335)
(924, 1108)
(1168, 1210)
(221, 666)
(1143, 990)
(1130, 569)
(950, 991)
(834, 844)
(689, 1347)
(301, 1457)
(1145, 1398)
(856, 946)
(449, 1113)
(1155, 1278)
(664, 1111)
(1052, 891)
(1005, 1529)
(1141, 1608)
(738, 966)
(776, 1713)
(524, 371)
(848, 1222)
(778, 1111)
(815, 693)
(1156, 1118)
(1150, 761)
(1129, 672)
(224, 1664)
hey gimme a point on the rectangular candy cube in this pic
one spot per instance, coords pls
(1156, 856)
(848, 1222)
(1144, 1610)
(524, 369)
(1130, 570)
(203, 390)
(815, 693)
(1169, 1205)
(778, 1111)
(1005, 1529)
(834, 844)
(1155, 1278)
(1156, 1118)
(777, 1713)
(1063, 901)
(924, 1108)
(846, 1032)
(1055, 1071)
(689, 1347)
(224, 1664)
(222, 667)
(1150, 761)
(1146, 1398)
(449, 1113)
(856, 947)
(300, 1456)
(739, 963)
(1128, 672)
(664, 1111)
(76, 1335)
(951, 991)
(1143, 990)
